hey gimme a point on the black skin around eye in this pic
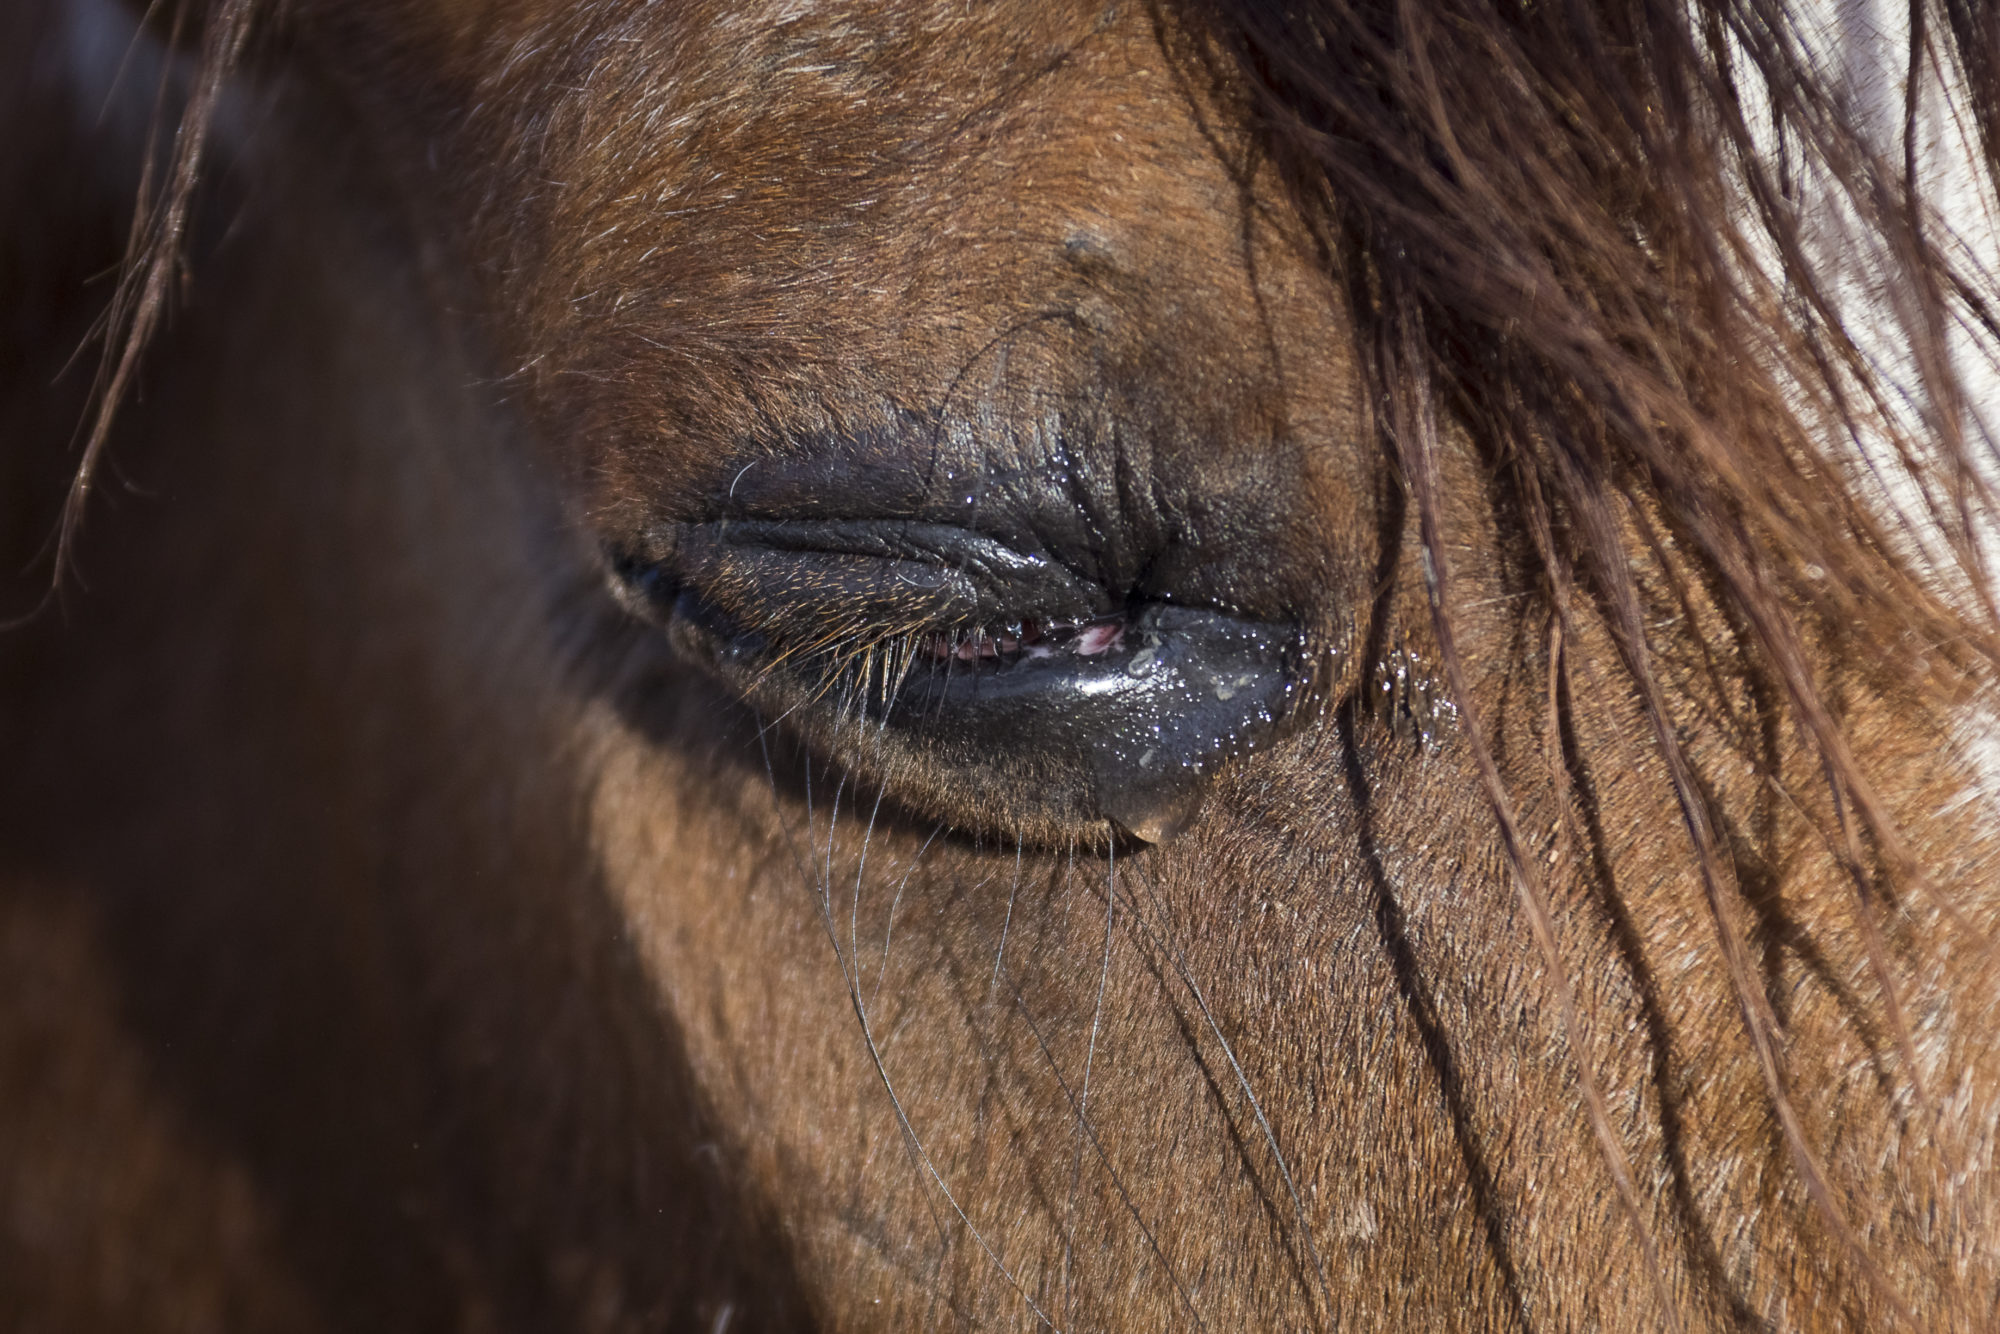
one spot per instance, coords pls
(1114, 712)
(1139, 728)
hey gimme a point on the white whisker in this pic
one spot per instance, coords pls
(1186, 976)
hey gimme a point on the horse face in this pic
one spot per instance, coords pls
(988, 709)
(959, 405)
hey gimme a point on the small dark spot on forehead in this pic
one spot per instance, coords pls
(1087, 249)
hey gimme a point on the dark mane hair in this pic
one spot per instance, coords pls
(1615, 245)
(1594, 237)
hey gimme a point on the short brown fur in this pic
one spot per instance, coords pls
(414, 930)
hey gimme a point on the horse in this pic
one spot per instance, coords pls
(1162, 664)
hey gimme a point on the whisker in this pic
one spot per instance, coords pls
(1097, 1147)
(832, 824)
(1089, 1060)
(861, 870)
(1000, 954)
(889, 928)
(923, 1157)
(1186, 976)
(909, 1134)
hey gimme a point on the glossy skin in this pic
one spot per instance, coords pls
(418, 909)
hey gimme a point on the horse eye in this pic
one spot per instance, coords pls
(971, 675)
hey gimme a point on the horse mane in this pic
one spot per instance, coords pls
(1594, 237)
(165, 197)
(1599, 240)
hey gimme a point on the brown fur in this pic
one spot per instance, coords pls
(421, 943)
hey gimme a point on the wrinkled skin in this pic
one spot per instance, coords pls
(410, 925)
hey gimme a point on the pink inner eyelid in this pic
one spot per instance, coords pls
(1032, 640)
(1099, 637)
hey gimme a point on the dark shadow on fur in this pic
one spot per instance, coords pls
(1696, 1235)
(1394, 936)
(1417, 1002)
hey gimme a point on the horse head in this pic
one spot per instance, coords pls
(1065, 665)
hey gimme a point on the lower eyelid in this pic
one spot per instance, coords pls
(1135, 729)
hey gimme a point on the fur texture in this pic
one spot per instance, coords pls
(1603, 943)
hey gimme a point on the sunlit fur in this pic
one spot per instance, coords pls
(395, 933)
